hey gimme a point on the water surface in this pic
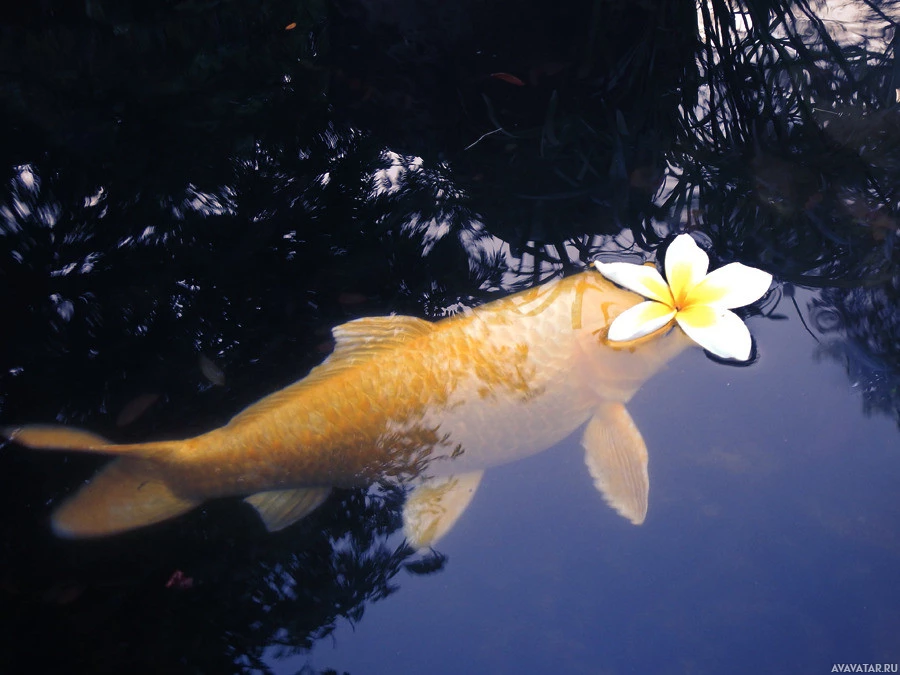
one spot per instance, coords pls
(193, 196)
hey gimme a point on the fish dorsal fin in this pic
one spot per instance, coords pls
(435, 506)
(365, 338)
(616, 456)
(356, 343)
(280, 508)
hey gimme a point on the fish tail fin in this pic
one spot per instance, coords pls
(50, 437)
(129, 492)
(126, 494)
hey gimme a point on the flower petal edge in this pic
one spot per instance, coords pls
(733, 285)
(641, 279)
(686, 266)
(717, 330)
(642, 319)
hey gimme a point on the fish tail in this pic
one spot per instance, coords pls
(129, 492)
(51, 437)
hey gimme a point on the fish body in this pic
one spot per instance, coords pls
(430, 403)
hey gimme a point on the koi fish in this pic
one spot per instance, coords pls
(432, 404)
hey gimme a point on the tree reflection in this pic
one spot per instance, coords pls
(773, 162)
(228, 181)
(242, 599)
(860, 329)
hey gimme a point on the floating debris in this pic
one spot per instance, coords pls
(507, 77)
(135, 408)
(211, 371)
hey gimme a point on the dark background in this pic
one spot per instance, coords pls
(193, 194)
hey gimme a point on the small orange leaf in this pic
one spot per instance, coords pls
(291, 26)
(506, 77)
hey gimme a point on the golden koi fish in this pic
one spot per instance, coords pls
(430, 403)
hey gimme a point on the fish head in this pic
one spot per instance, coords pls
(615, 371)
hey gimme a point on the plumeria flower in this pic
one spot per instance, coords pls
(696, 301)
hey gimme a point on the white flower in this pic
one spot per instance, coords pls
(697, 301)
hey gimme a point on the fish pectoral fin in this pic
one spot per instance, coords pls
(435, 505)
(281, 508)
(616, 456)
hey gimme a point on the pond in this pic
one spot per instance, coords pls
(195, 196)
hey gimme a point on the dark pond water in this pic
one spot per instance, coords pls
(195, 194)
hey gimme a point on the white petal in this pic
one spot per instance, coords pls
(717, 330)
(640, 320)
(731, 286)
(642, 279)
(686, 265)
